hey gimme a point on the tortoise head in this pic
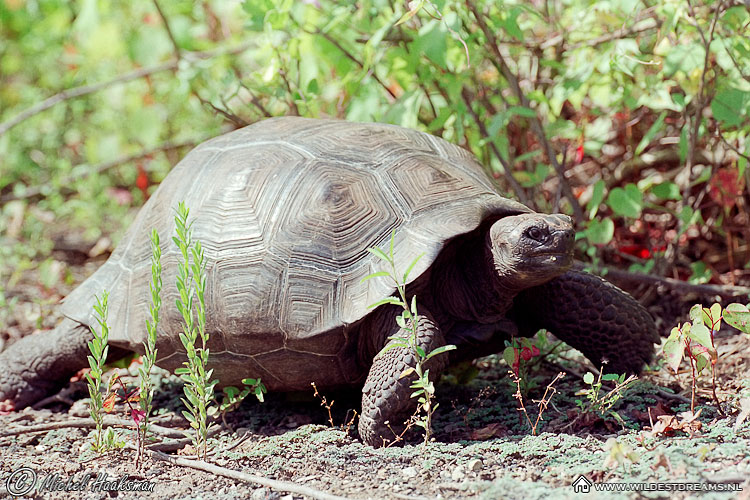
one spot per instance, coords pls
(531, 249)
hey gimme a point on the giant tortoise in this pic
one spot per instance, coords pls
(286, 210)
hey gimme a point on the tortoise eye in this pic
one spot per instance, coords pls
(535, 233)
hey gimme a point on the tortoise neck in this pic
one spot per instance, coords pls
(466, 285)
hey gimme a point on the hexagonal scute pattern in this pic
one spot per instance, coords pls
(286, 210)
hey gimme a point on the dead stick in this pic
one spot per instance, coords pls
(244, 476)
(86, 423)
(726, 291)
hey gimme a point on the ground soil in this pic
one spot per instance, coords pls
(483, 446)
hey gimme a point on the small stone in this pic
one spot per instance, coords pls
(458, 473)
(410, 472)
(474, 465)
(259, 494)
(445, 475)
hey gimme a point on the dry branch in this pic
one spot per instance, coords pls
(725, 291)
(133, 75)
(88, 423)
(244, 476)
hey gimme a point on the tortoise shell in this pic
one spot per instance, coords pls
(285, 210)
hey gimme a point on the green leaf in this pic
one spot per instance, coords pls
(674, 349)
(684, 144)
(667, 191)
(727, 106)
(411, 267)
(509, 355)
(431, 41)
(378, 274)
(712, 317)
(377, 252)
(522, 111)
(440, 350)
(696, 314)
(738, 316)
(684, 57)
(231, 391)
(702, 360)
(701, 334)
(652, 131)
(627, 202)
(600, 232)
(416, 6)
(597, 196)
(401, 322)
(588, 378)
(387, 300)
(510, 24)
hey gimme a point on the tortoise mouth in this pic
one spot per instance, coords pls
(564, 258)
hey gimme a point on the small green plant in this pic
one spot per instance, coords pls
(695, 340)
(408, 321)
(233, 397)
(599, 401)
(149, 357)
(191, 284)
(99, 348)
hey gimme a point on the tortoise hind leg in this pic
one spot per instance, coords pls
(386, 396)
(39, 364)
(591, 315)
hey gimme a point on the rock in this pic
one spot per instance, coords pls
(474, 465)
(458, 473)
(409, 472)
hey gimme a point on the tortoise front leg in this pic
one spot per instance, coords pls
(591, 315)
(386, 397)
(39, 364)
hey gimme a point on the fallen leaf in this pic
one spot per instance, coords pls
(488, 432)
(744, 413)
(662, 461)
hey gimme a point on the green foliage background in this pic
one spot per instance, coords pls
(631, 115)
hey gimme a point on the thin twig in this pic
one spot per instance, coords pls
(30, 192)
(536, 124)
(132, 75)
(253, 98)
(517, 189)
(351, 57)
(730, 146)
(177, 50)
(244, 476)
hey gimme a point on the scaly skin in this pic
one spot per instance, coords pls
(37, 365)
(386, 397)
(591, 315)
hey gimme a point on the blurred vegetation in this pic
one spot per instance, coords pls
(633, 116)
